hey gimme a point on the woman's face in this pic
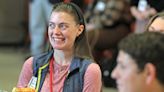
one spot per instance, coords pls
(63, 30)
(157, 25)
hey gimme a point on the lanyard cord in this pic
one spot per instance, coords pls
(51, 74)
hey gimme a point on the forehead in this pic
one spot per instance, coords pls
(61, 16)
(125, 58)
(158, 24)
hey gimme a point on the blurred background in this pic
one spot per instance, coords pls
(12, 37)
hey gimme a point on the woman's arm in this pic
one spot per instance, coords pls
(26, 74)
(92, 79)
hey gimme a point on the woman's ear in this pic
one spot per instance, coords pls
(80, 30)
(150, 73)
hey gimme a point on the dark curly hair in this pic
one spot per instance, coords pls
(147, 47)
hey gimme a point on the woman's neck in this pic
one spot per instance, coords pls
(63, 58)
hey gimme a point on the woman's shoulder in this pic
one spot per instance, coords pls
(92, 78)
(94, 68)
(28, 62)
(90, 62)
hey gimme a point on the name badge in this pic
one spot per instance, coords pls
(32, 83)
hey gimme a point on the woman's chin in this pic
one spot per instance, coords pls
(58, 47)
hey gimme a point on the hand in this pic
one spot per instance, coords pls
(23, 90)
(137, 14)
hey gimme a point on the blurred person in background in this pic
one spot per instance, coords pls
(140, 63)
(39, 12)
(156, 23)
(108, 21)
(143, 10)
(69, 65)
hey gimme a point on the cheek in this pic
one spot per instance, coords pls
(128, 78)
(70, 35)
(132, 82)
(49, 32)
(72, 39)
(131, 75)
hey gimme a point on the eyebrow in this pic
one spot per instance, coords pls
(59, 23)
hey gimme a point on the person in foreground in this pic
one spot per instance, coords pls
(68, 66)
(140, 63)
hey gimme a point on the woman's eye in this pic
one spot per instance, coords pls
(63, 26)
(52, 26)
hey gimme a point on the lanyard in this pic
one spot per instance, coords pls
(51, 74)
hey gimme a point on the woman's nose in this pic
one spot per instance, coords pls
(56, 30)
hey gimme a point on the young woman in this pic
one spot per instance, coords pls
(69, 66)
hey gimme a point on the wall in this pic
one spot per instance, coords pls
(11, 21)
